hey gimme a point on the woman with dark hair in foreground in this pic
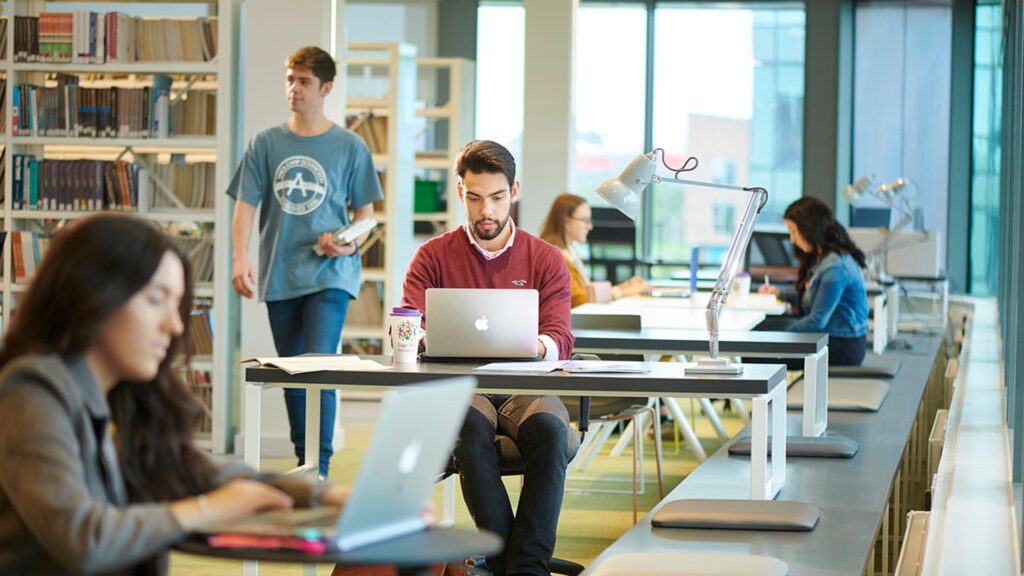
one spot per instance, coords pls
(830, 295)
(93, 344)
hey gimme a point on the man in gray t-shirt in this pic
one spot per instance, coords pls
(305, 175)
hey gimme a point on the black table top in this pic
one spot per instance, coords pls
(662, 379)
(424, 548)
(671, 340)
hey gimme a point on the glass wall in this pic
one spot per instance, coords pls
(901, 104)
(728, 90)
(985, 150)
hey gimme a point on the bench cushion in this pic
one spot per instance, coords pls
(827, 446)
(845, 395)
(688, 564)
(780, 515)
(874, 366)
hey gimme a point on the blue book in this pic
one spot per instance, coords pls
(161, 86)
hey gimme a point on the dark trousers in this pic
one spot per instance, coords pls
(841, 352)
(847, 351)
(310, 323)
(539, 426)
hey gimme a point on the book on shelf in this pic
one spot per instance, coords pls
(27, 249)
(74, 185)
(201, 323)
(71, 110)
(350, 232)
(3, 38)
(367, 309)
(83, 37)
(199, 381)
(200, 256)
(192, 184)
(372, 129)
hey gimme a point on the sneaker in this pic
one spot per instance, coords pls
(475, 566)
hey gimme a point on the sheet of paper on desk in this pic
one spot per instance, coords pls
(302, 364)
(534, 367)
(598, 366)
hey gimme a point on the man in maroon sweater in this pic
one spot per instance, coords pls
(490, 252)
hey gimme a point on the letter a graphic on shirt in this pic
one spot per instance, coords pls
(300, 185)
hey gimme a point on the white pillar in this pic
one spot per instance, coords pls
(548, 115)
(272, 33)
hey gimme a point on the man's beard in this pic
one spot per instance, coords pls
(492, 235)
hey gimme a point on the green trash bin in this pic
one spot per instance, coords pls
(427, 196)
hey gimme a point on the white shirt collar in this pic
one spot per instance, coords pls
(487, 253)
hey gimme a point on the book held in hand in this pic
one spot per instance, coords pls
(349, 233)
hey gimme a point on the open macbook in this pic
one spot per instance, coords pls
(411, 443)
(481, 323)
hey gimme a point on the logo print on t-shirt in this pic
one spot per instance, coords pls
(300, 185)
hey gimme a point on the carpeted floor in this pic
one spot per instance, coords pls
(588, 523)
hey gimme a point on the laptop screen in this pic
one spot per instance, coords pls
(482, 323)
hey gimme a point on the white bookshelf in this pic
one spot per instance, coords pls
(220, 74)
(452, 123)
(385, 75)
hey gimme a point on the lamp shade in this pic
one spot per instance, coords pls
(853, 192)
(624, 192)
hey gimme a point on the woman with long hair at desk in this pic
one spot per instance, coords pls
(569, 221)
(829, 293)
(99, 471)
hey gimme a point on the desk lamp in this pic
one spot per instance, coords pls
(624, 193)
(889, 195)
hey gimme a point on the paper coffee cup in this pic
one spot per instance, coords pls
(405, 334)
(741, 285)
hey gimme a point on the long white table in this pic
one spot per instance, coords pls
(670, 316)
(766, 303)
(763, 383)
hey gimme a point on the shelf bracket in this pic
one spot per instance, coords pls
(183, 91)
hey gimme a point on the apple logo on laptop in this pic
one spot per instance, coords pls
(409, 457)
(481, 324)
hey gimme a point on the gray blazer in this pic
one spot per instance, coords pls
(63, 502)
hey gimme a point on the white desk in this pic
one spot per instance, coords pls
(765, 384)
(682, 318)
(766, 303)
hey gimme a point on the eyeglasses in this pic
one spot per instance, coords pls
(586, 221)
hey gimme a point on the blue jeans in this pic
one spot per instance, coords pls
(310, 323)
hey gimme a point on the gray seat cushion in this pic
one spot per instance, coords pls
(845, 395)
(874, 366)
(659, 563)
(827, 446)
(775, 515)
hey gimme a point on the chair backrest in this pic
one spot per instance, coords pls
(606, 322)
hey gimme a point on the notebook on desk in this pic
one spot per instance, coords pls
(396, 478)
(481, 323)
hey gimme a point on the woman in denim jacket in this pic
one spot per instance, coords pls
(830, 294)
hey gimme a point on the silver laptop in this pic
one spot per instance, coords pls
(410, 447)
(481, 323)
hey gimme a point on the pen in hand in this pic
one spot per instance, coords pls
(767, 282)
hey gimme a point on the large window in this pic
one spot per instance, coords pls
(728, 90)
(499, 74)
(902, 79)
(610, 90)
(985, 161)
